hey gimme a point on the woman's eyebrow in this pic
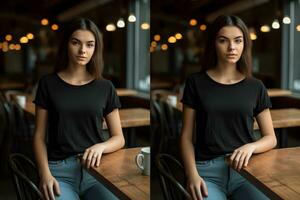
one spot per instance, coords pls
(221, 36)
(73, 38)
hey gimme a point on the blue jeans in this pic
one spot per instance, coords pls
(76, 183)
(224, 182)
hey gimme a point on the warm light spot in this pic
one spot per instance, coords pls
(203, 27)
(44, 22)
(164, 47)
(171, 39)
(11, 46)
(54, 27)
(18, 47)
(193, 22)
(24, 39)
(156, 37)
(265, 28)
(30, 36)
(178, 36)
(253, 36)
(110, 27)
(8, 37)
(154, 44)
(145, 26)
(298, 27)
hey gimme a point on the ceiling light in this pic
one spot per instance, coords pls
(110, 27)
(275, 24)
(131, 18)
(286, 20)
(121, 23)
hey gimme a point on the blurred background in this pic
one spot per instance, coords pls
(30, 32)
(177, 39)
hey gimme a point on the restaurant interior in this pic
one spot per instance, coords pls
(30, 32)
(150, 48)
(178, 35)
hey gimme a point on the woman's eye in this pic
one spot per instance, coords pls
(74, 42)
(238, 41)
(90, 45)
(222, 40)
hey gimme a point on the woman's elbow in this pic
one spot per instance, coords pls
(274, 142)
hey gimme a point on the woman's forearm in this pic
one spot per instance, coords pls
(265, 143)
(114, 143)
(41, 157)
(188, 157)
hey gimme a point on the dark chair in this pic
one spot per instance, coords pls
(25, 177)
(172, 177)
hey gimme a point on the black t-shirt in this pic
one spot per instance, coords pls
(75, 113)
(224, 113)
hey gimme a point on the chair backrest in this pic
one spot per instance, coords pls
(25, 177)
(172, 177)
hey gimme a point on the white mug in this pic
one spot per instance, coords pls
(172, 99)
(143, 160)
(21, 100)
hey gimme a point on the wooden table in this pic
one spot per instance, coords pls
(120, 174)
(125, 92)
(277, 92)
(276, 173)
(284, 118)
(133, 117)
(10, 85)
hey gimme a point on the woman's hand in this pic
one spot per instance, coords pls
(241, 156)
(92, 155)
(197, 187)
(49, 186)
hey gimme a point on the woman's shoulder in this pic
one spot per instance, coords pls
(196, 76)
(104, 83)
(255, 81)
(47, 78)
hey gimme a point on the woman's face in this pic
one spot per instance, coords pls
(81, 47)
(229, 44)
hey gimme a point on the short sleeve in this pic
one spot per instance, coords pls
(42, 94)
(189, 94)
(263, 100)
(112, 101)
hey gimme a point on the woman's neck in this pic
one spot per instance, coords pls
(225, 74)
(76, 74)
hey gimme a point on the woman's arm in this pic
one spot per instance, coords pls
(195, 184)
(241, 156)
(92, 155)
(47, 181)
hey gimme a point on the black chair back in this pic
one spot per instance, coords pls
(25, 177)
(172, 177)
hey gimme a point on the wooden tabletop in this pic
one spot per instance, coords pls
(276, 173)
(120, 174)
(126, 92)
(277, 92)
(9, 85)
(284, 118)
(133, 117)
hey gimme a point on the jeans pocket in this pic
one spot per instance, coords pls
(203, 163)
(55, 163)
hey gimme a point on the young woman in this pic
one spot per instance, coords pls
(70, 106)
(223, 100)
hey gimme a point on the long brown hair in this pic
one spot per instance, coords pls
(210, 55)
(95, 65)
